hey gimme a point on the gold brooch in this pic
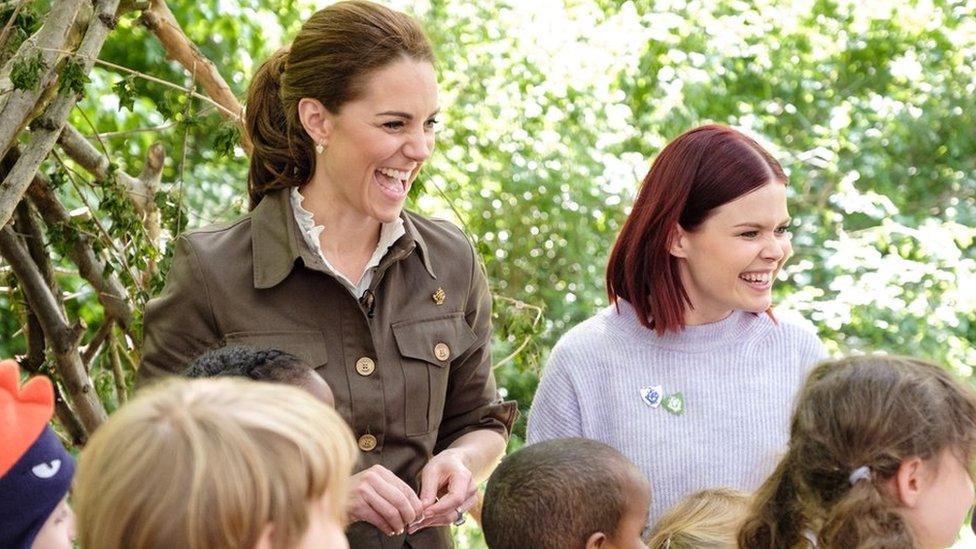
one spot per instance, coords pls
(439, 296)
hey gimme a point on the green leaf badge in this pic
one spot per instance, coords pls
(674, 403)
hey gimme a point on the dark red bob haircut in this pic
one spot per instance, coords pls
(699, 171)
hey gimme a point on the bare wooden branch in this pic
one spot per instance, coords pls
(17, 107)
(118, 374)
(52, 120)
(62, 338)
(100, 337)
(150, 177)
(94, 162)
(160, 21)
(111, 293)
(26, 224)
(141, 190)
(35, 344)
(34, 363)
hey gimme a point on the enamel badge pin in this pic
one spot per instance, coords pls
(675, 403)
(652, 395)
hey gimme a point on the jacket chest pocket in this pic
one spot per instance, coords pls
(427, 348)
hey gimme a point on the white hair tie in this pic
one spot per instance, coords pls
(861, 473)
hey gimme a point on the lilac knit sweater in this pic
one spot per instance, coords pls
(737, 377)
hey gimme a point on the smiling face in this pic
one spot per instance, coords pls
(730, 261)
(376, 144)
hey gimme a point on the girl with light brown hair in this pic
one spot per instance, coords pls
(879, 457)
(217, 463)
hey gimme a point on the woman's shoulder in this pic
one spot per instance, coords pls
(795, 331)
(438, 234)
(219, 239)
(590, 336)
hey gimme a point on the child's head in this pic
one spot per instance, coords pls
(879, 454)
(261, 365)
(35, 469)
(567, 493)
(216, 463)
(709, 519)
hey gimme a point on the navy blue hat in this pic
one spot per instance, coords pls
(35, 469)
(32, 489)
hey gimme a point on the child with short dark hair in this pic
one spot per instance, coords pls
(566, 493)
(261, 365)
(879, 456)
(35, 469)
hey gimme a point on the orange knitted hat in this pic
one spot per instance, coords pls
(24, 412)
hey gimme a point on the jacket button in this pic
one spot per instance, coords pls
(367, 443)
(442, 351)
(365, 366)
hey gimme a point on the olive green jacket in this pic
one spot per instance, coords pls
(409, 362)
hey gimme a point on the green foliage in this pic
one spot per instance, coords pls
(27, 23)
(227, 137)
(25, 74)
(551, 115)
(73, 77)
(125, 90)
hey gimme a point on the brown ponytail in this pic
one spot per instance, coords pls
(864, 519)
(774, 519)
(329, 59)
(869, 411)
(275, 163)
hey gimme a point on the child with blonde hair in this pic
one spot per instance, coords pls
(879, 457)
(709, 519)
(219, 463)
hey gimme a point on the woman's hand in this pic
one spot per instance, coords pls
(448, 489)
(380, 498)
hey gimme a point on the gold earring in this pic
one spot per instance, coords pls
(319, 148)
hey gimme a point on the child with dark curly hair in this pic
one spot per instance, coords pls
(261, 365)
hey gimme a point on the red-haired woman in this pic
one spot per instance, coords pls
(688, 373)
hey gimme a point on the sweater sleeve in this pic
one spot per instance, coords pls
(555, 410)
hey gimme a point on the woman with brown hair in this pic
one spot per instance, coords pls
(392, 309)
(880, 457)
(688, 373)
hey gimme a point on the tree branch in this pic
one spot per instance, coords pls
(103, 333)
(52, 121)
(160, 21)
(10, 23)
(77, 147)
(141, 190)
(62, 338)
(26, 225)
(17, 107)
(111, 293)
(118, 374)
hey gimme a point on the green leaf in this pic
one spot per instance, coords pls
(73, 78)
(26, 73)
(227, 137)
(126, 92)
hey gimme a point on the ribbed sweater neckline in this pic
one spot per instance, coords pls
(733, 330)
